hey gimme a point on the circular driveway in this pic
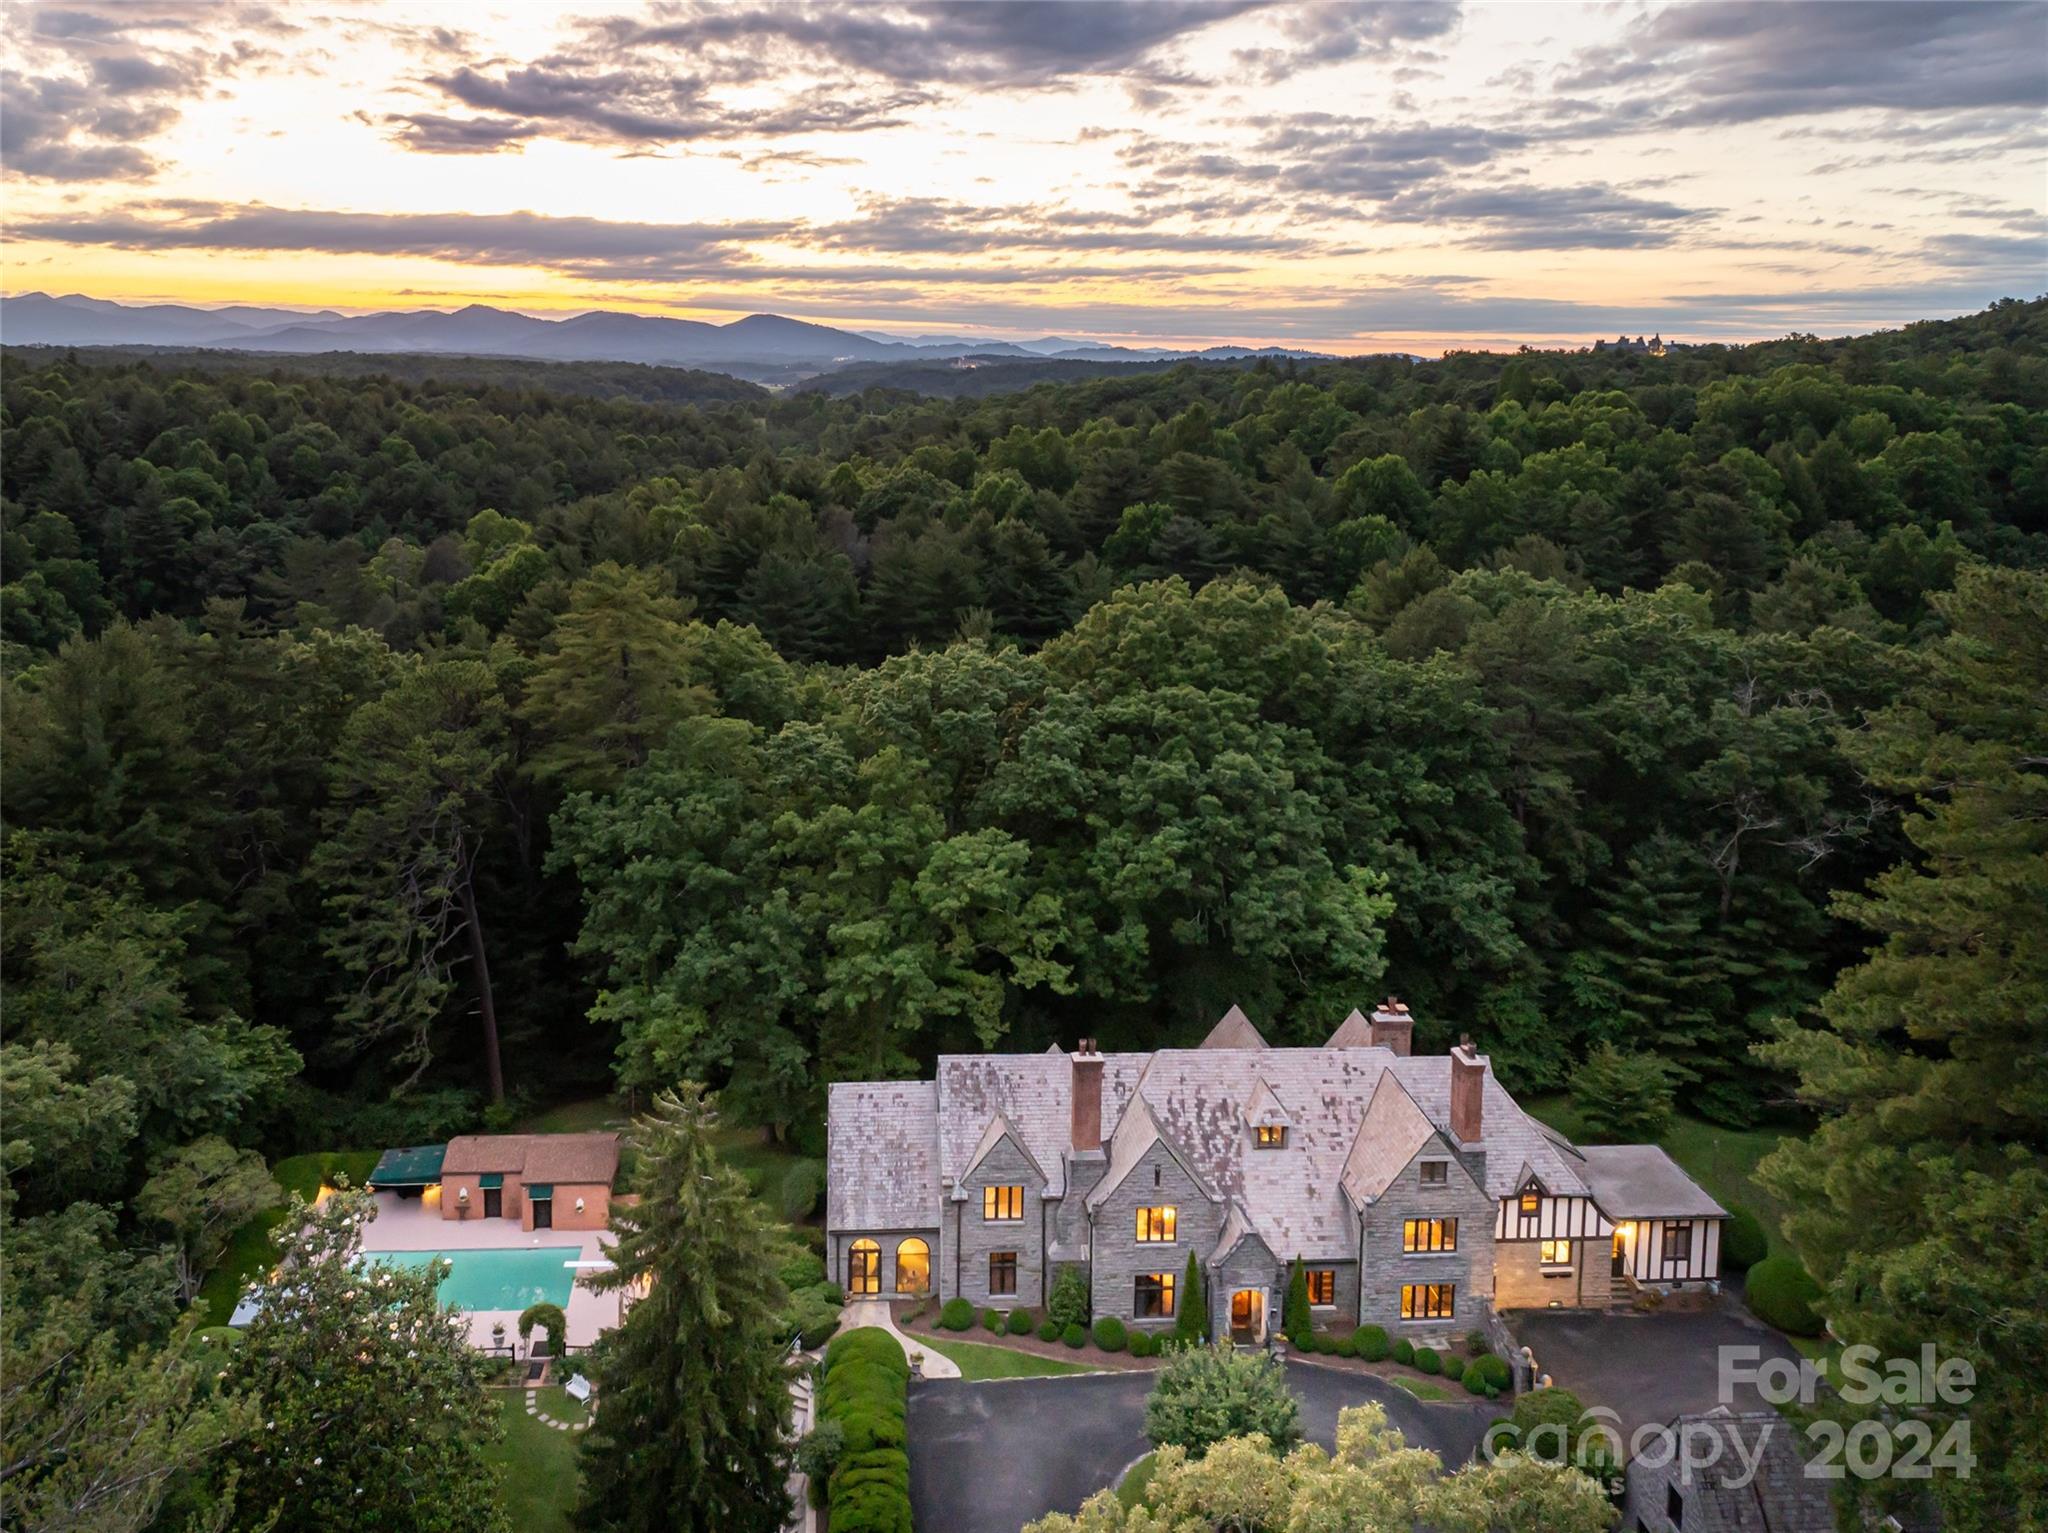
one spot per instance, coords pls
(989, 1457)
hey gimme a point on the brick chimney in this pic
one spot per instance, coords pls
(1087, 1095)
(1392, 1027)
(1468, 1090)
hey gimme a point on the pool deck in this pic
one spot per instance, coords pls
(405, 1224)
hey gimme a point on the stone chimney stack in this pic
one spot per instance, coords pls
(1087, 1095)
(1392, 1027)
(1468, 1092)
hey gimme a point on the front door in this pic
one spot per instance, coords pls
(1620, 1266)
(1247, 1313)
(543, 1213)
(494, 1203)
(864, 1268)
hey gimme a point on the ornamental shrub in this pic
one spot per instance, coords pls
(1019, 1323)
(549, 1318)
(992, 1321)
(1454, 1367)
(1206, 1394)
(1347, 1346)
(1191, 1323)
(1784, 1294)
(1144, 1344)
(1743, 1242)
(1068, 1304)
(1427, 1360)
(1050, 1330)
(956, 1315)
(862, 1397)
(1476, 1344)
(1404, 1351)
(1487, 1375)
(1296, 1319)
(1110, 1334)
(1371, 1341)
(1075, 1335)
(804, 1269)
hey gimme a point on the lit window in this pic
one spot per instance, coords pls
(1156, 1224)
(1436, 1173)
(1555, 1253)
(1272, 1136)
(1152, 1296)
(864, 1267)
(1428, 1235)
(1002, 1272)
(1002, 1203)
(1322, 1285)
(1428, 1301)
(913, 1266)
(1532, 1200)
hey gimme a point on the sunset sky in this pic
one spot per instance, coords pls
(1351, 177)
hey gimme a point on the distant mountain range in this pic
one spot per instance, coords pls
(760, 345)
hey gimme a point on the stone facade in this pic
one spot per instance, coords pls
(1522, 1280)
(1005, 1165)
(1248, 1266)
(1389, 1267)
(839, 1252)
(1158, 1179)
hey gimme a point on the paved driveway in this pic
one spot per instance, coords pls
(989, 1457)
(1647, 1368)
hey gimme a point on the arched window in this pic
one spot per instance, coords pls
(913, 1266)
(864, 1267)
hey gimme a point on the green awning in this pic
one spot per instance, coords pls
(540, 1190)
(418, 1166)
(491, 1179)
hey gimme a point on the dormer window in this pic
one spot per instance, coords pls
(1436, 1173)
(1272, 1136)
(1532, 1201)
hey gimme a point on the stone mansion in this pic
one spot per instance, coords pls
(1413, 1189)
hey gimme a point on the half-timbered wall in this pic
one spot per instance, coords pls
(1650, 1250)
(1554, 1219)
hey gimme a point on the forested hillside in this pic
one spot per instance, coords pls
(353, 723)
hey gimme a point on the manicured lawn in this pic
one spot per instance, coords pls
(251, 1252)
(1722, 1160)
(765, 1164)
(1137, 1481)
(588, 1116)
(1422, 1389)
(979, 1362)
(536, 1464)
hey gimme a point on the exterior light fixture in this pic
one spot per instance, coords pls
(462, 1195)
(579, 1205)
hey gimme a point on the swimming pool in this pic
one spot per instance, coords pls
(510, 1278)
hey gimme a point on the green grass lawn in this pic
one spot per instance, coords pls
(1138, 1481)
(592, 1115)
(1722, 1160)
(979, 1362)
(1422, 1389)
(537, 1464)
(252, 1251)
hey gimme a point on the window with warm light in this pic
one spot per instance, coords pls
(1424, 1237)
(1428, 1301)
(1152, 1296)
(1272, 1136)
(864, 1267)
(1532, 1200)
(1555, 1253)
(1156, 1225)
(913, 1266)
(1000, 1205)
(1322, 1285)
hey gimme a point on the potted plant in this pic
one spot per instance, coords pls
(497, 1333)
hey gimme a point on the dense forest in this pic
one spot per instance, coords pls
(386, 754)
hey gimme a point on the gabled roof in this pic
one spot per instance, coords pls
(1234, 1031)
(1000, 1128)
(1354, 1032)
(1264, 1109)
(1034, 1092)
(1395, 1128)
(1135, 1134)
(1724, 1497)
(1237, 1229)
(1639, 1181)
(545, 1158)
(882, 1156)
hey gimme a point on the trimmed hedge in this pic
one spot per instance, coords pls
(1454, 1367)
(1404, 1351)
(1019, 1323)
(1487, 1376)
(1144, 1344)
(1347, 1346)
(1428, 1361)
(1371, 1342)
(1743, 1241)
(956, 1315)
(1049, 1331)
(864, 1393)
(1110, 1334)
(1784, 1294)
(992, 1321)
(1075, 1335)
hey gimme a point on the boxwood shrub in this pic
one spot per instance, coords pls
(1404, 1351)
(1075, 1335)
(1049, 1331)
(863, 1391)
(992, 1320)
(1371, 1342)
(1427, 1360)
(1454, 1367)
(1476, 1344)
(1110, 1334)
(1743, 1242)
(1487, 1376)
(956, 1315)
(1347, 1346)
(1019, 1322)
(1783, 1294)
(1144, 1344)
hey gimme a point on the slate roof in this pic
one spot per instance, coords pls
(1033, 1091)
(1639, 1181)
(883, 1171)
(1233, 1031)
(1782, 1498)
(1393, 1130)
(1354, 1032)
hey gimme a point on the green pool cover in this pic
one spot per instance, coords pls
(495, 1279)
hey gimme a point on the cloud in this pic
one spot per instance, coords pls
(436, 133)
(1526, 216)
(1336, 31)
(934, 226)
